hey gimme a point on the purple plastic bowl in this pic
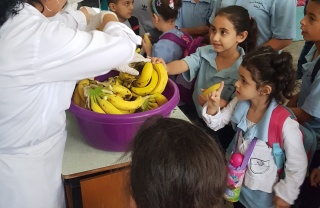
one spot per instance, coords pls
(114, 132)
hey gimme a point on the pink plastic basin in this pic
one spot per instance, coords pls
(114, 132)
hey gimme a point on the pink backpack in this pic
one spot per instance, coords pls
(189, 46)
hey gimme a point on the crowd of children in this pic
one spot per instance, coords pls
(244, 55)
(176, 163)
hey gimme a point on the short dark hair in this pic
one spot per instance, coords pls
(176, 164)
(269, 67)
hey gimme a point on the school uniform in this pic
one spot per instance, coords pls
(309, 92)
(203, 67)
(143, 12)
(261, 181)
(167, 49)
(275, 18)
(193, 14)
(41, 61)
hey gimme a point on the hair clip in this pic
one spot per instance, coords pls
(158, 3)
(171, 4)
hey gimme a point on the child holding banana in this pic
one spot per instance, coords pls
(232, 33)
(164, 14)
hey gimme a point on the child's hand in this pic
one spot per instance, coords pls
(147, 46)
(214, 100)
(155, 60)
(315, 177)
(280, 203)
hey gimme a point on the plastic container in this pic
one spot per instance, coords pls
(114, 132)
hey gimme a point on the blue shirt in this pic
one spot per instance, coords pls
(193, 14)
(275, 18)
(202, 65)
(309, 93)
(167, 49)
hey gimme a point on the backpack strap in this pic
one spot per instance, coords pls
(315, 70)
(134, 23)
(277, 119)
(174, 38)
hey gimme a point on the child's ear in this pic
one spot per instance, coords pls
(112, 6)
(156, 18)
(266, 90)
(242, 36)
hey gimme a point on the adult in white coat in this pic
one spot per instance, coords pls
(41, 59)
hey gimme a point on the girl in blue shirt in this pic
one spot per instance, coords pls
(232, 33)
(164, 13)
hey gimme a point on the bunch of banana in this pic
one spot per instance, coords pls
(153, 101)
(114, 97)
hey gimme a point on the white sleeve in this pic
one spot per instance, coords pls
(74, 19)
(296, 162)
(222, 117)
(67, 54)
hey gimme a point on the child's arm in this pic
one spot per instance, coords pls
(202, 100)
(293, 102)
(295, 165)
(301, 115)
(315, 177)
(174, 67)
(278, 44)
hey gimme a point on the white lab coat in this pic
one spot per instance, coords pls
(40, 62)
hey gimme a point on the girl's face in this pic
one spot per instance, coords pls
(123, 9)
(310, 24)
(246, 86)
(223, 36)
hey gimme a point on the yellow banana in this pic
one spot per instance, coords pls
(152, 106)
(145, 75)
(122, 104)
(94, 105)
(163, 78)
(211, 89)
(127, 77)
(80, 86)
(147, 38)
(128, 111)
(159, 98)
(121, 91)
(107, 107)
(76, 98)
(143, 91)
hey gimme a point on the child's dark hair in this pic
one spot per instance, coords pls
(268, 67)
(167, 9)
(176, 164)
(242, 21)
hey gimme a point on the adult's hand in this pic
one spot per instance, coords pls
(127, 69)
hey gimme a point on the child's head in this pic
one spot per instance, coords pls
(310, 24)
(165, 9)
(231, 26)
(266, 72)
(176, 164)
(122, 8)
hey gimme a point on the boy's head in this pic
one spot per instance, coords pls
(176, 164)
(122, 8)
(310, 24)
